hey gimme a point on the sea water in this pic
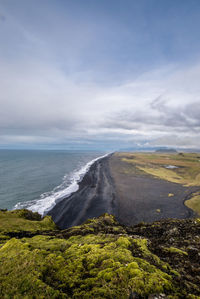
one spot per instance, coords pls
(36, 180)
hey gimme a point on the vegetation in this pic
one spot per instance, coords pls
(182, 168)
(194, 202)
(187, 171)
(99, 259)
(24, 220)
(176, 251)
(170, 195)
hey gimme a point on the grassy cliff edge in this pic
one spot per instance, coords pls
(99, 259)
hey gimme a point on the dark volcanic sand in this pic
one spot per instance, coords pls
(96, 195)
(140, 195)
(116, 187)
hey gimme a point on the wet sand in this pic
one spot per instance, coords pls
(96, 195)
(111, 186)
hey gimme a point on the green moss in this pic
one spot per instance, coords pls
(86, 266)
(190, 296)
(123, 242)
(140, 248)
(105, 223)
(21, 271)
(92, 260)
(176, 251)
(26, 214)
(24, 220)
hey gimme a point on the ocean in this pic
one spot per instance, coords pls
(37, 179)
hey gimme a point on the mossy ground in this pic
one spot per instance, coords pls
(100, 259)
(18, 220)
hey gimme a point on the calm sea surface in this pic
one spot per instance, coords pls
(38, 179)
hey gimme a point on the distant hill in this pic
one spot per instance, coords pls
(148, 149)
(166, 150)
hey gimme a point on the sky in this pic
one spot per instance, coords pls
(90, 74)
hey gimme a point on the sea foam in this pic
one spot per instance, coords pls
(48, 200)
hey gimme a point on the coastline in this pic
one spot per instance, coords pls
(96, 195)
(67, 185)
(145, 198)
(110, 187)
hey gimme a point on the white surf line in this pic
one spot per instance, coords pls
(46, 203)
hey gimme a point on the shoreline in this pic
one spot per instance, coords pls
(95, 196)
(145, 198)
(107, 187)
(47, 200)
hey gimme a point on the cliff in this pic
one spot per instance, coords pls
(98, 259)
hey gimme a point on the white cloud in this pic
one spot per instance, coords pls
(45, 98)
(41, 99)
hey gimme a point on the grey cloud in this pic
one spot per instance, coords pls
(186, 141)
(180, 117)
(161, 117)
(158, 103)
(41, 100)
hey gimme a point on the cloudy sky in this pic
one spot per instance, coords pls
(99, 74)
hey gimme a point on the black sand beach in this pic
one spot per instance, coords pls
(96, 195)
(143, 197)
(132, 198)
